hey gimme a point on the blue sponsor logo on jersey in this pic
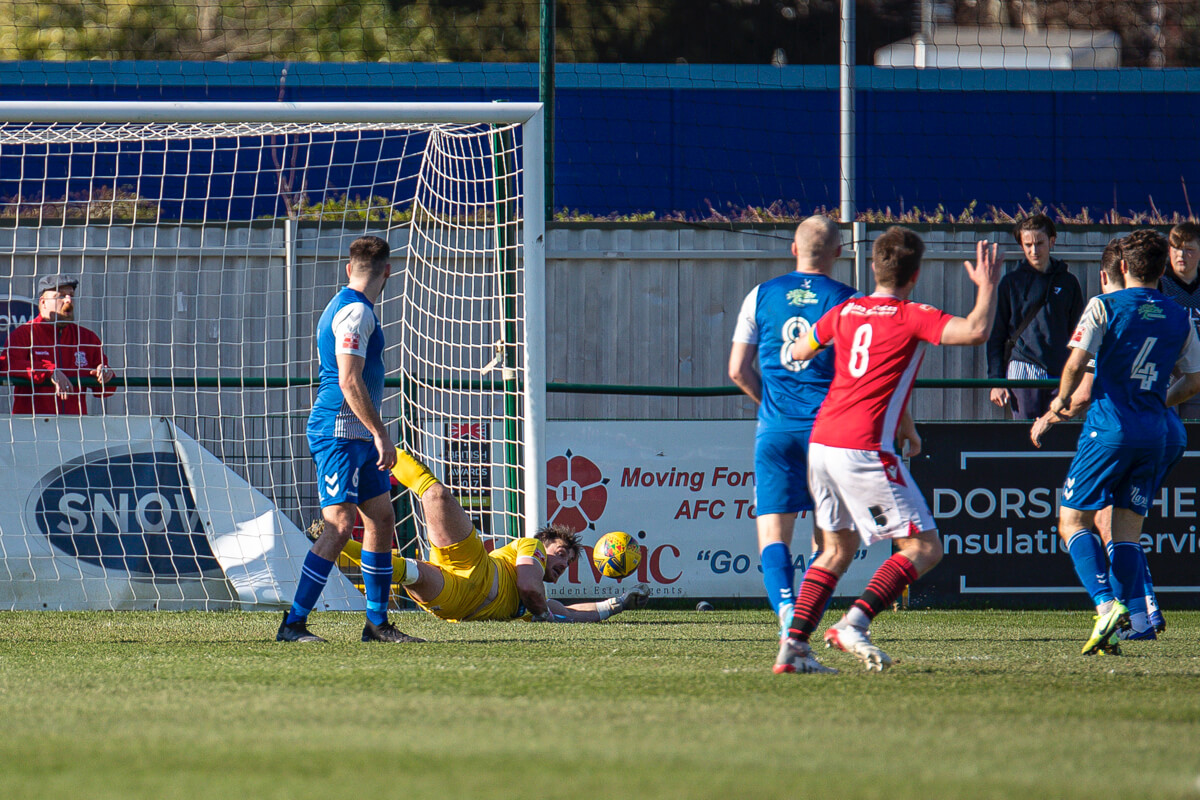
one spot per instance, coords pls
(131, 512)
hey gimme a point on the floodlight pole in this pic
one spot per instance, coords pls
(848, 208)
(546, 44)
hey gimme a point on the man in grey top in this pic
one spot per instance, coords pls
(1181, 283)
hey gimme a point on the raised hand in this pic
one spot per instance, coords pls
(985, 271)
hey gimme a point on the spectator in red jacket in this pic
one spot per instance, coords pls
(54, 354)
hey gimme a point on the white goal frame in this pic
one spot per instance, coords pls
(528, 115)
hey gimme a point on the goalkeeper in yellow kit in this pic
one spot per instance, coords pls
(462, 581)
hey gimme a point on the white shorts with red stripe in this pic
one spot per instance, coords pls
(867, 490)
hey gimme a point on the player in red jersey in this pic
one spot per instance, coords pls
(861, 488)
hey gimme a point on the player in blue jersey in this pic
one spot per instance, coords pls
(788, 392)
(1136, 336)
(351, 448)
(1146, 618)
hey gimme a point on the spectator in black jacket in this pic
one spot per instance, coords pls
(1181, 283)
(1037, 307)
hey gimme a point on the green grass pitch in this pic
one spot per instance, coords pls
(672, 704)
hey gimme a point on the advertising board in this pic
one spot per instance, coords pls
(685, 491)
(132, 513)
(996, 497)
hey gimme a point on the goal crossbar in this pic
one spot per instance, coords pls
(92, 111)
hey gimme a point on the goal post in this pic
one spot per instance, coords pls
(490, 265)
(206, 239)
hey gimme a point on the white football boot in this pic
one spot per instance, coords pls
(796, 656)
(857, 642)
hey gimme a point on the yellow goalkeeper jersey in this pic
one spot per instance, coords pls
(479, 585)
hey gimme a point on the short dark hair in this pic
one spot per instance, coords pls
(1145, 254)
(369, 254)
(1183, 233)
(549, 534)
(1110, 261)
(1035, 222)
(897, 256)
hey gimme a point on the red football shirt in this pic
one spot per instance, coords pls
(878, 343)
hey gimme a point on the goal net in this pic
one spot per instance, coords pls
(203, 241)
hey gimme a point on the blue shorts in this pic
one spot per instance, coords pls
(1123, 477)
(1175, 444)
(781, 472)
(1172, 455)
(346, 471)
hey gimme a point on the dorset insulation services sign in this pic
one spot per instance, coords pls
(996, 499)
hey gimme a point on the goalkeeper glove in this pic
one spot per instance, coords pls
(634, 598)
(637, 597)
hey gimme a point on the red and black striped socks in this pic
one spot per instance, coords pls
(886, 586)
(811, 600)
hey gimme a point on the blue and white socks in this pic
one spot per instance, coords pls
(377, 584)
(1129, 580)
(1091, 566)
(1152, 609)
(313, 577)
(779, 576)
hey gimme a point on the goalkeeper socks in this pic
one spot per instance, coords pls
(405, 571)
(1087, 555)
(811, 600)
(313, 577)
(377, 584)
(353, 552)
(779, 576)
(413, 473)
(886, 585)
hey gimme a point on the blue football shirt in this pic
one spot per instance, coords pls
(348, 325)
(773, 316)
(1137, 335)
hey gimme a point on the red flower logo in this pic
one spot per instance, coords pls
(575, 493)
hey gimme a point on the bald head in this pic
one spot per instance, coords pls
(816, 244)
